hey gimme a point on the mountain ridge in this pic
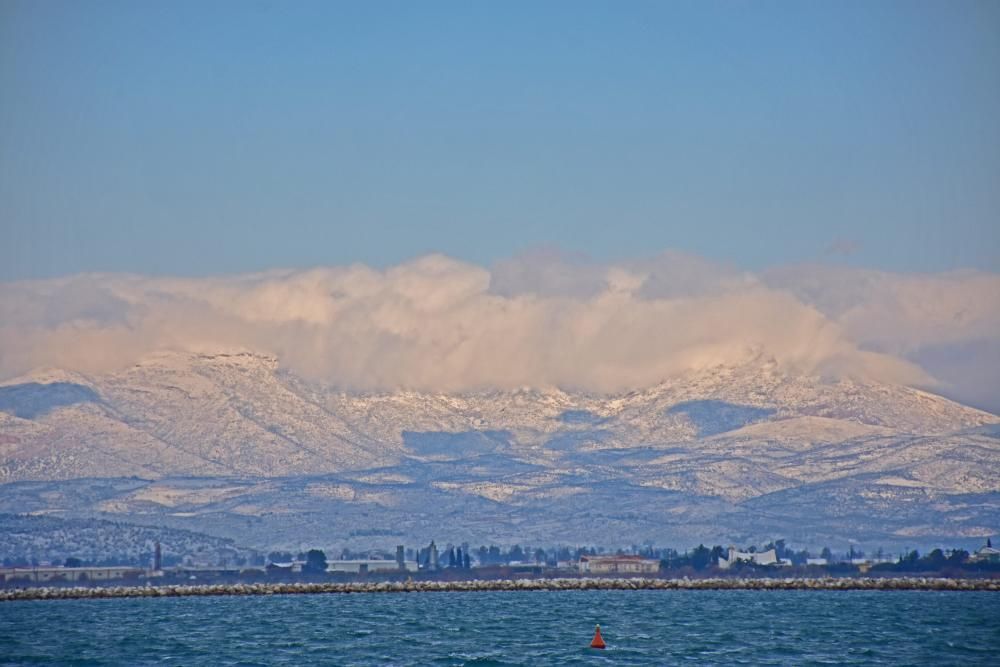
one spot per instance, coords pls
(720, 442)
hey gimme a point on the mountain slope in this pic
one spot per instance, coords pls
(721, 451)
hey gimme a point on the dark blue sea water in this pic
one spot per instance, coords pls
(511, 628)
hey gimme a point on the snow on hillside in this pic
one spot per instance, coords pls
(734, 434)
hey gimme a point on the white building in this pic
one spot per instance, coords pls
(769, 557)
(986, 554)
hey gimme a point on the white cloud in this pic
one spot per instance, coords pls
(948, 323)
(540, 320)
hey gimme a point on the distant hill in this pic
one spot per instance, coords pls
(24, 539)
(231, 445)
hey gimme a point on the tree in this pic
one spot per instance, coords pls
(957, 557)
(466, 563)
(909, 562)
(826, 554)
(701, 557)
(73, 562)
(315, 562)
(935, 559)
(717, 553)
(669, 558)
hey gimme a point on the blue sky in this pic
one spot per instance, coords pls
(203, 138)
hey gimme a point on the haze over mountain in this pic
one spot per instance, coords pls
(441, 325)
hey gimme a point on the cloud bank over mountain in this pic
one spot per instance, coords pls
(540, 320)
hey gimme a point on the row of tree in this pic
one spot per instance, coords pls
(937, 561)
(699, 558)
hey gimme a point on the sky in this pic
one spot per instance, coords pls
(449, 196)
(193, 138)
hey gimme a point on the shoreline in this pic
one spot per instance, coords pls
(211, 590)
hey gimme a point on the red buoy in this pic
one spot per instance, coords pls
(598, 641)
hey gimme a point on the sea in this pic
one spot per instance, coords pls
(666, 627)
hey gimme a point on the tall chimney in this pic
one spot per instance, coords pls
(157, 557)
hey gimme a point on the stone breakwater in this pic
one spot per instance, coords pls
(826, 584)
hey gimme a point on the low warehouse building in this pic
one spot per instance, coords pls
(364, 566)
(618, 565)
(57, 574)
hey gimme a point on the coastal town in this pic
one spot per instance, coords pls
(458, 563)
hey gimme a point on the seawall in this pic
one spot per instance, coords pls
(830, 584)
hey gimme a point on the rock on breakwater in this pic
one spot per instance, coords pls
(843, 583)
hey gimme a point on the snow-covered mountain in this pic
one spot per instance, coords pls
(233, 445)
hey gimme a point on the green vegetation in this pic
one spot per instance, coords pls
(315, 562)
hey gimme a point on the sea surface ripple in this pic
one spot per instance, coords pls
(511, 628)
